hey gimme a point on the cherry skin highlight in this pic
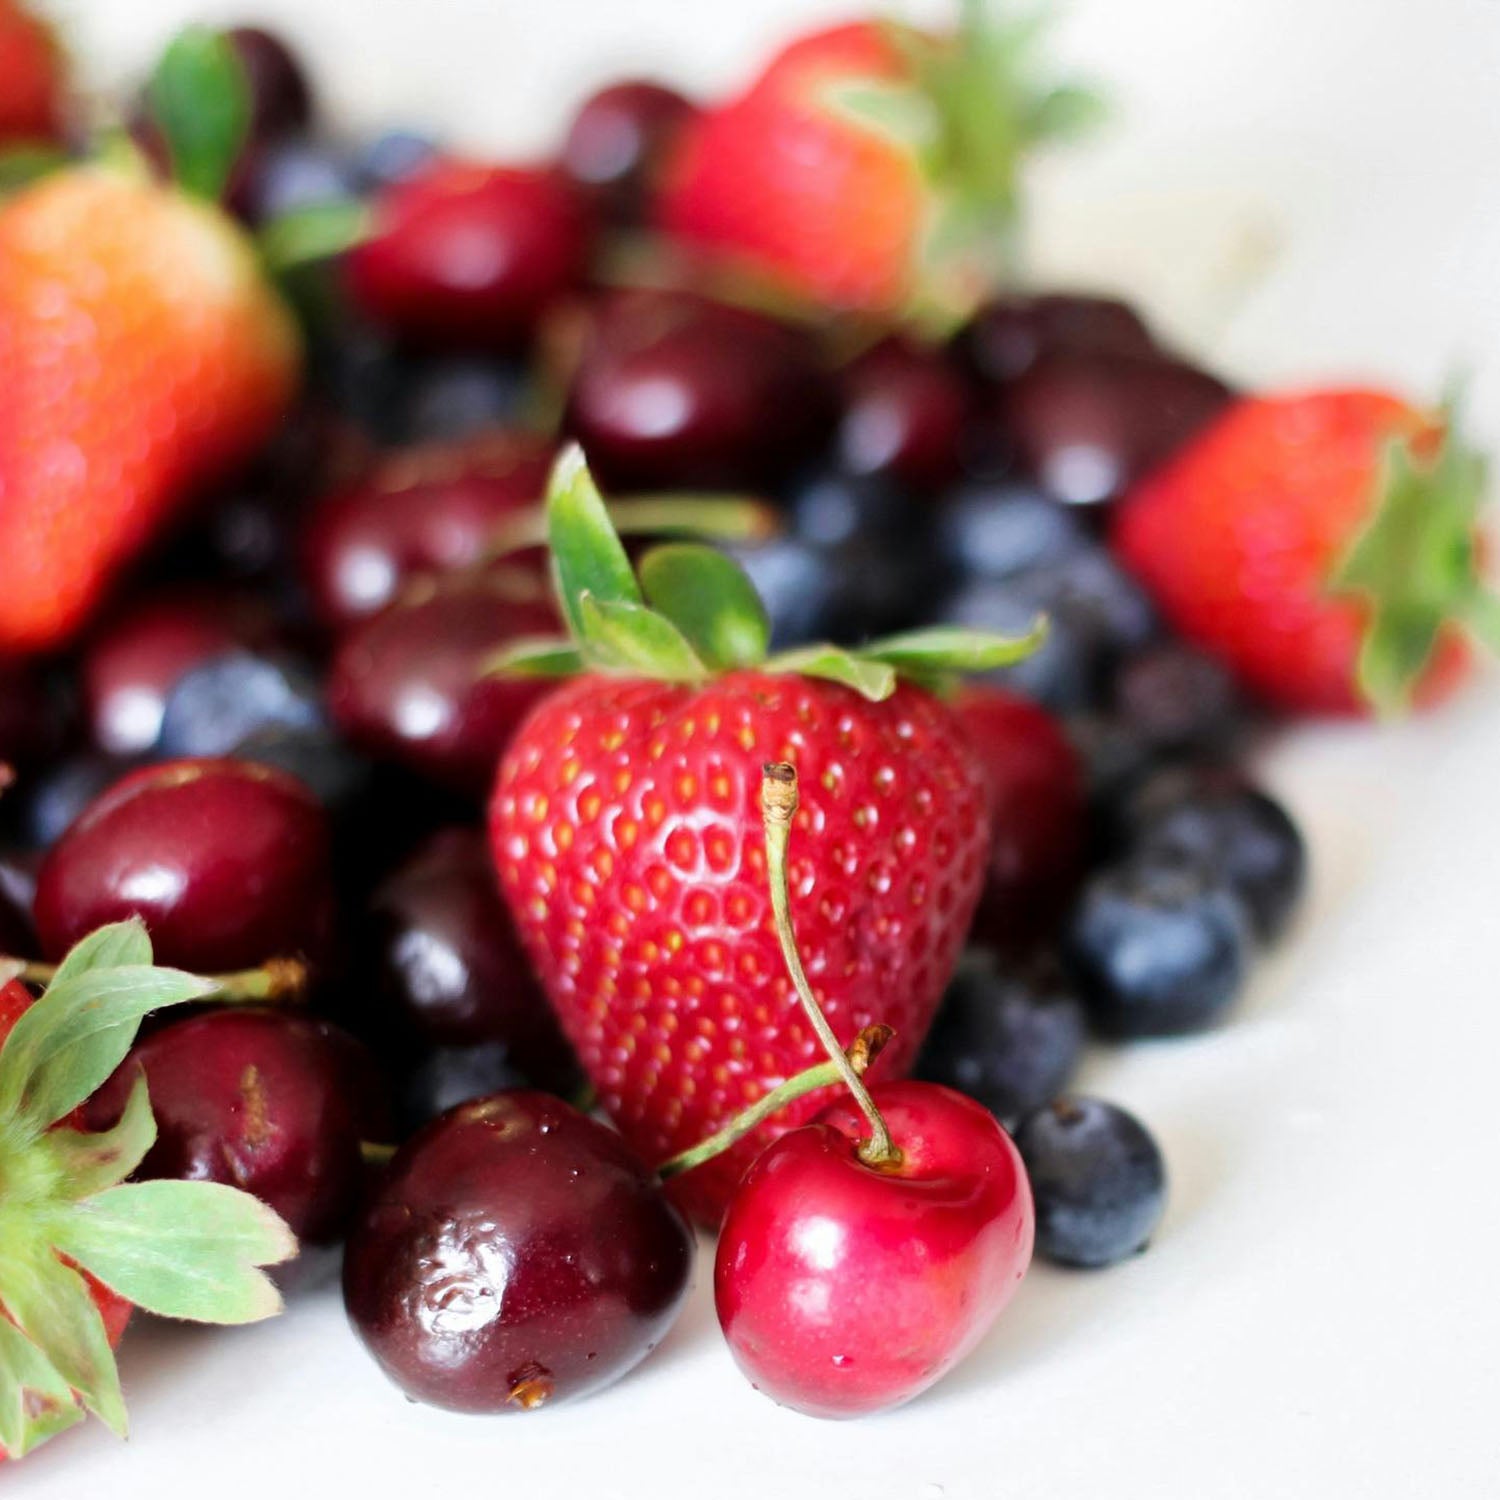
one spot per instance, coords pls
(845, 1289)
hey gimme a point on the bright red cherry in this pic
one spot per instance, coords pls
(617, 141)
(414, 686)
(844, 1288)
(227, 863)
(470, 256)
(427, 511)
(267, 1100)
(516, 1254)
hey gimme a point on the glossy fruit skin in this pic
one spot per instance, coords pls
(515, 1254)
(616, 143)
(467, 256)
(449, 965)
(1236, 538)
(264, 1099)
(223, 701)
(627, 833)
(674, 390)
(844, 1289)
(1004, 529)
(185, 361)
(1008, 1034)
(227, 863)
(412, 685)
(1008, 335)
(1098, 1178)
(31, 77)
(1159, 945)
(433, 510)
(1037, 814)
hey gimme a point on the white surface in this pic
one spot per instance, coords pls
(1318, 1317)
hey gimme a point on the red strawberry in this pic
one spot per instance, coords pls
(628, 839)
(868, 166)
(1323, 545)
(31, 77)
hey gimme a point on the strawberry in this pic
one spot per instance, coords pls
(82, 1247)
(1323, 545)
(626, 833)
(144, 356)
(872, 166)
(31, 77)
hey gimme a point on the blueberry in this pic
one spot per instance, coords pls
(1000, 530)
(879, 586)
(392, 157)
(1160, 946)
(54, 801)
(222, 702)
(322, 762)
(829, 509)
(1178, 699)
(1009, 1036)
(288, 176)
(1089, 588)
(796, 584)
(1230, 829)
(452, 397)
(1116, 757)
(363, 378)
(1098, 1179)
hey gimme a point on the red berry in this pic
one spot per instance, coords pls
(470, 256)
(416, 684)
(227, 863)
(1008, 336)
(845, 1289)
(280, 97)
(1037, 799)
(627, 835)
(515, 1254)
(618, 140)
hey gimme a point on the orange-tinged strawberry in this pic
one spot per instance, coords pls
(31, 77)
(145, 355)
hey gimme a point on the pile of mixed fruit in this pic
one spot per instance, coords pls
(531, 892)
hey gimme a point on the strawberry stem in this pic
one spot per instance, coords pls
(778, 801)
(864, 1050)
(279, 981)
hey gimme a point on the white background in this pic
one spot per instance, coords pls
(1305, 189)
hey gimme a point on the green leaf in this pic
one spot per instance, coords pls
(22, 165)
(586, 554)
(318, 232)
(76, 1035)
(897, 112)
(1066, 113)
(707, 596)
(36, 1403)
(179, 1249)
(948, 648)
(620, 636)
(536, 657)
(875, 680)
(51, 1304)
(85, 1162)
(199, 98)
(108, 947)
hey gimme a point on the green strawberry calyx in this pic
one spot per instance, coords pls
(689, 612)
(974, 106)
(188, 1250)
(1417, 565)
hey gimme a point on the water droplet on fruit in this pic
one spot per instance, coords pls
(842, 1361)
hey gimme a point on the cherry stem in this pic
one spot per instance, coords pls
(864, 1050)
(778, 802)
(725, 517)
(376, 1153)
(278, 981)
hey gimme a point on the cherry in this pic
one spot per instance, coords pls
(845, 1288)
(672, 389)
(227, 862)
(904, 411)
(465, 256)
(412, 685)
(280, 97)
(516, 1253)
(617, 142)
(263, 1099)
(431, 510)
(131, 667)
(1009, 335)
(1037, 802)
(448, 963)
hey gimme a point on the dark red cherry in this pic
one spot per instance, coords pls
(267, 1100)
(515, 1254)
(448, 962)
(618, 140)
(465, 256)
(280, 97)
(431, 511)
(136, 660)
(905, 407)
(1009, 335)
(227, 862)
(413, 685)
(673, 390)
